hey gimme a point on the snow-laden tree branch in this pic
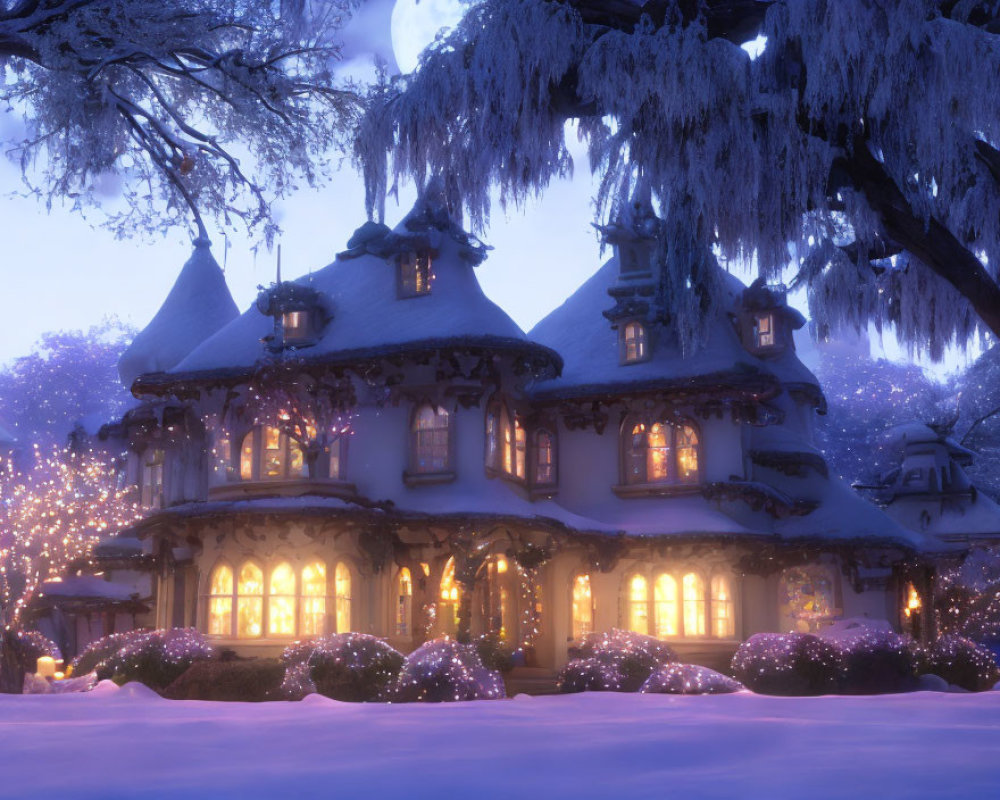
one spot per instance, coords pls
(871, 119)
(202, 107)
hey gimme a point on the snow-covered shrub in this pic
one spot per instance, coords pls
(689, 679)
(158, 658)
(788, 664)
(33, 645)
(633, 656)
(962, 662)
(249, 681)
(443, 670)
(346, 666)
(588, 675)
(95, 654)
(494, 654)
(876, 662)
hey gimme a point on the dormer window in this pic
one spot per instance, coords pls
(633, 343)
(415, 273)
(763, 330)
(296, 326)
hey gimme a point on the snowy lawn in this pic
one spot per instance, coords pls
(129, 743)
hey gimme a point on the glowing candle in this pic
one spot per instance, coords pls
(46, 667)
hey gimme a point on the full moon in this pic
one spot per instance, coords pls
(415, 23)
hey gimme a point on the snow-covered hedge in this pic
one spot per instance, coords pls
(157, 658)
(246, 681)
(962, 662)
(94, 656)
(355, 667)
(877, 662)
(626, 659)
(788, 664)
(33, 645)
(443, 670)
(689, 679)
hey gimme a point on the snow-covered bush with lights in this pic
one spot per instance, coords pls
(588, 675)
(878, 661)
(34, 645)
(494, 653)
(158, 658)
(689, 679)
(95, 655)
(252, 680)
(443, 670)
(627, 658)
(967, 599)
(788, 664)
(345, 666)
(961, 662)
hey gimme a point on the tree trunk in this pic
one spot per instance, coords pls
(11, 663)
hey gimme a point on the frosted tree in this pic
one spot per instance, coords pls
(193, 106)
(979, 420)
(865, 129)
(51, 513)
(69, 376)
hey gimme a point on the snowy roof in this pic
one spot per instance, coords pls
(578, 331)
(947, 518)
(89, 586)
(360, 293)
(897, 438)
(198, 305)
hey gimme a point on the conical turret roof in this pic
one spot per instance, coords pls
(199, 304)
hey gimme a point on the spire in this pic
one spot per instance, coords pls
(198, 305)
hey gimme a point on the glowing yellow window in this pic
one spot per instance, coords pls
(273, 462)
(694, 604)
(633, 343)
(723, 622)
(342, 583)
(638, 605)
(313, 600)
(583, 607)
(250, 601)
(220, 602)
(763, 330)
(281, 602)
(520, 446)
(508, 443)
(657, 452)
(665, 598)
(687, 454)
(246, 457)
(404, 602)
(450, 596)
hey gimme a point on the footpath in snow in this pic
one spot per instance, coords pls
(130, 743)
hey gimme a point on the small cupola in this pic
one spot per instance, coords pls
(299, 313)
(765, 321)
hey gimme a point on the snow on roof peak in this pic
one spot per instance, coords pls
(198, 305)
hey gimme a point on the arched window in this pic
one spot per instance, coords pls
(431, 448)
(268, 454)
(342, 583)
(638, 605)
(723, 621)
(281, 601)
(655, 451)
(220, 601)
(634, 347)
(404, 602)
(250, 601)
(693, 588)
(313, 621)
(520, 449)
(450, 595)
(666, 606)
(545, 458)
(583, 607)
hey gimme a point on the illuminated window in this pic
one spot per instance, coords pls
(250, 601)
(507, 432)
(414, 274)
(281, 601)
(295, 325)
(430, 440)
(659, 452)
(404, 602)
(634, 347)
(496, 601)
(520, 449)
(281, 457)
(545, 458)
(450, 596)
(666, 606)
(693, 588)
(342, 583)
(583, 607)
(723, 622)
(638, 605)
(763, 330)
(313, 622)
(220, 601)
(806, 596)
(152, 479)
(336, 458)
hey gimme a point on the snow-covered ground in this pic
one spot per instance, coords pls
(130, 743)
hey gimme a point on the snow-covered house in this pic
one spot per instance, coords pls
(377, 447)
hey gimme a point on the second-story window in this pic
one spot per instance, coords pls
(545, 458)
(659, 452)
(431, 447)
(634, 347)
(414, 273)
(268, 454)
(151, 479)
